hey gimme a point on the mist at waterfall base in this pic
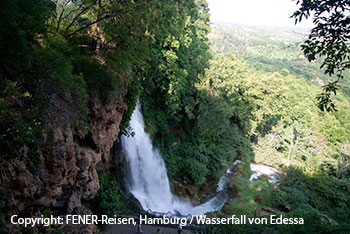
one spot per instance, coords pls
(148, 181)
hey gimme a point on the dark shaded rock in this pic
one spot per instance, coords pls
(65, 166)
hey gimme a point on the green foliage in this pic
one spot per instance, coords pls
(100, 81)
(202, 115)
(324, 99)
(21, 24)
(285, 123)
(248, 109)
(327, 194)
(18, 126)
(251, 196)
(133, 92)
(274, 49)
(276, 112)
(4, 230)
(169, 95)
(79, 51)
(329, 38)
(56, 66)
(300, 194)
(108, 200)
(49, 230)
(91, 49)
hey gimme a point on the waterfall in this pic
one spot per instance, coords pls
(147, 177)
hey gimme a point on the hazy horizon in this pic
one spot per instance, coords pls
(269, 13)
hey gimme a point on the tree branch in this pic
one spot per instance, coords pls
(76, 17)
(73, 11)
(62, 11)
(108, 16)
(89, 24)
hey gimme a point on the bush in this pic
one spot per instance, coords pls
(19, 126)
(107, 200)
(99, 80)
(314, 191)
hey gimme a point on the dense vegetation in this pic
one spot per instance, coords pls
(252, 97)
(87, 48)
(285, 129)
(261, 107)
(269, 109)
(328, 39)
(108, 201)
(82, 51)
(272, 49)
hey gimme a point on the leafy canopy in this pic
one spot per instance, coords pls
(329, 38)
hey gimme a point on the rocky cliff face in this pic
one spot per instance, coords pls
(62, 173)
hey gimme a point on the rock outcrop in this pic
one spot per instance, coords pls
(62, 171)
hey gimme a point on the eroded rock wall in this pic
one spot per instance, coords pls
(63, 171)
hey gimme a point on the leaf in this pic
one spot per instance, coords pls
(47, 213)
(27, 94)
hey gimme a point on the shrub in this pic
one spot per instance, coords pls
(108, 200)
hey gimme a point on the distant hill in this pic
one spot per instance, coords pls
(271, 49)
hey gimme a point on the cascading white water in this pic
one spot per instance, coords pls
(147, 176)
(148, 180)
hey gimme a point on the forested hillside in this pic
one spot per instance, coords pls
(272, 90)
(271, 49)
(279, 56)
(71, 72)
(257, 102)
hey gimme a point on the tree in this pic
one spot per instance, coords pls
(177, 60)
(329, 38)
(21, 25)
